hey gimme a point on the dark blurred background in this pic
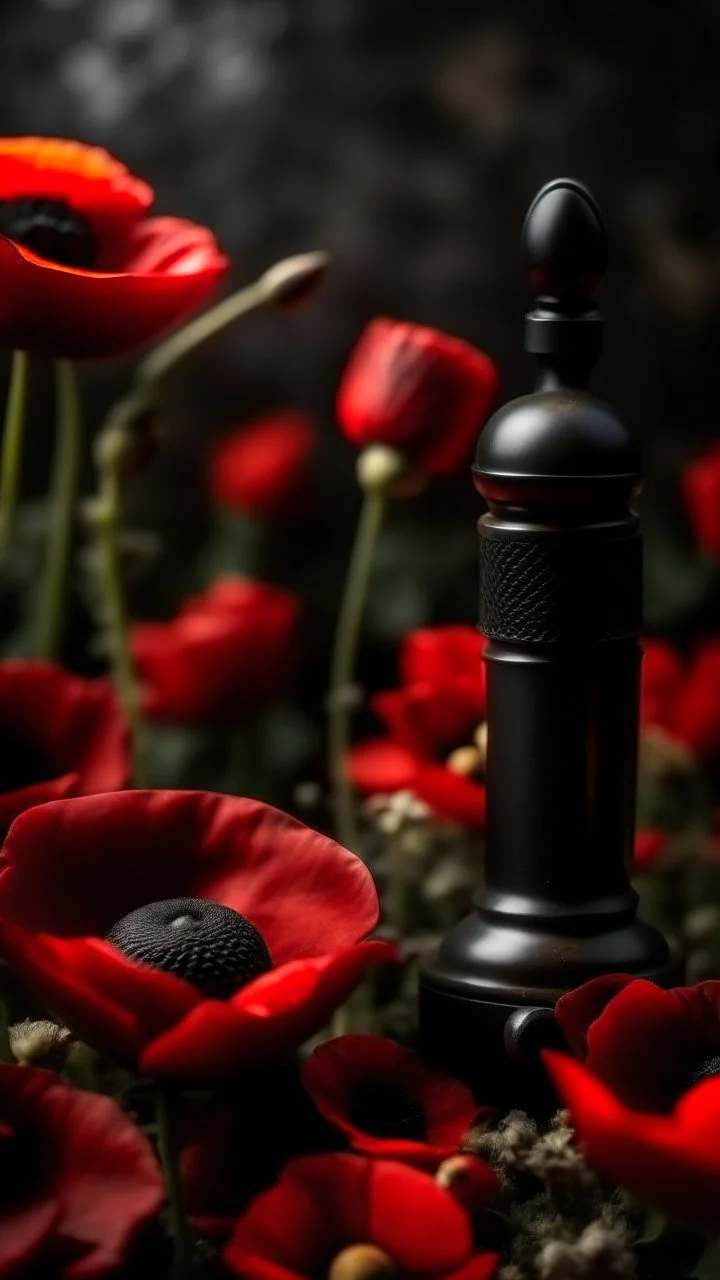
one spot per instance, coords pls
(407, 138)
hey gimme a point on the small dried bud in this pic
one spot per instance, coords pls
(465, 760)
(40, 1044)
(361, 1262)
(466, 1179)
(379, 467)
(291, 282)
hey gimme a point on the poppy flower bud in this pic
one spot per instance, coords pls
(378, 466)
(465, 1178)
(361, 1262)
(40, 1044)
(465, 760)
(291, 282)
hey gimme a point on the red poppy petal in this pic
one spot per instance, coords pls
(270, 1016)
(696, 715)
(451, 795)
(643, 1044)
(171, 844)
(428, 718)
(662, 678)
(107, 1182)
(87, 178)
(260, 469)
(576, 1011)
(702, 1004)
(701, 488)
(381, 766)
(437, 655)
(672, 1162)
(648, 847)
(13, 803)
(23, 1233)
(482, 1267)
(418, 1224)
(106, 1000)
(65, 312)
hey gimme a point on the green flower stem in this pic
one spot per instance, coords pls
(342, 667)
(169, 1158)
(164, 357)
(64, 492)
(12, 447)
(112, 447)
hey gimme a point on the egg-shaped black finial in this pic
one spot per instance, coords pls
(564, 242)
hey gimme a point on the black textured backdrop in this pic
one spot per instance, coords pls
(405, 136)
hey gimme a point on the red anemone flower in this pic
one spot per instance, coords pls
(432, 723)
(229, 651)
(80, 1179)
(84, 272)
(701, 487)
(670, 1161)
(186, 934)
(420, 391)
(261, 469)
(647, 1044)
(60, 735)
(329, 1213)
(387, 1102)
(683, 700)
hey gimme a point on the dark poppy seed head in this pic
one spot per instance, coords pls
(211, 946)
(51, 229)
(704, 1070)
(388, 1109)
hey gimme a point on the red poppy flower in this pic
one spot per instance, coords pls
(701, 487)
(388, 1103)
(324, 1206)
(184, 933)
(422, 392)
(59, 736)
(432, 722)
(670, 1161)
(647, 1044)
(649, 845)
(84, 272)
(228, 652)
(261, 468)
(684, 700)
(80, 1180)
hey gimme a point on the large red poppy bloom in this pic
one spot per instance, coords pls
(60, 736)
(387, 1102)
(84, 272)
(325, 1205)
(186, 934)
(80, 1180)
(422, 392)
(701, 488)
(683, 699)
(438, 709)
(261, 468)
(647, 1044)
(229, 651)
(670, 1161)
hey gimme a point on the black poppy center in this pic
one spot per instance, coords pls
(211, 946)
(22, 763)
(51, 229)
(704, 1070)
(388, 1109)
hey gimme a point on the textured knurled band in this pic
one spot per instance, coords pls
(551, 591)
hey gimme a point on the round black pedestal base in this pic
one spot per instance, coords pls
(487, 999)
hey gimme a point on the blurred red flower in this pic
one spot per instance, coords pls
(60, 735)
(261, 469)
(420, 391)
(671, 1160)
(701, 487)
(682, 699)
(84, 272)
(229, 651)
(80, 1179)
(186, 934)
(324, 1206)
(388, 1103)
(650, 843)
(438, 709)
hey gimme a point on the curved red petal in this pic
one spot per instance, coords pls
(696, 714)
(381, 766)
(270, 1016)
(649, 845)
(661, 682)
(261, 468)
(451, 795)
(13, 803)
(439, 655)
(701, 489)
(482, 1267)
(65, 312)
(576, 1011)
(24, 1232)
(672, 1162)
(428, 719)
(419, 1224)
